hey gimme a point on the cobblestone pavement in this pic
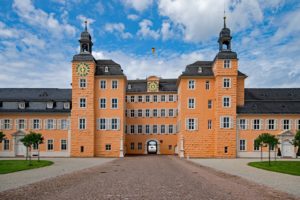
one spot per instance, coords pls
(145, 177)
(239, 167)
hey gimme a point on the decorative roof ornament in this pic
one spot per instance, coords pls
(85, 22)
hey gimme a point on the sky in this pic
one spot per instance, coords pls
(38, 38)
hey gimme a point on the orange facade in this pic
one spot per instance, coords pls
(205, 112)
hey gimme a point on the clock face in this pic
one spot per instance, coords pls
(82, 69)
(153, 86)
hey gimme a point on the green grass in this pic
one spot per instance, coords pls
(286, 167)
(9, 166)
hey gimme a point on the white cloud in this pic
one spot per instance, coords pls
(39, 18)
(203, 19)
(139, 5)
(166, 31)
(145, 30)
(117, 28)
(6, 32)
(133, 17)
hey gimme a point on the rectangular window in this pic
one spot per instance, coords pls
(163, 98)
(162, 129)
(114, 84)
(131, 128)
(191, 124)
(81, 149)
(226, 122)
(298, 124)
(154, 112)
(82, 102)
(226, 83)
(154, 130)
(162, 112)
(140, 129)
(63, 124)
(107, 147)
(147, 129)
(102, 103)
(21, 124)
(227, 64)
(140, 98)
(102, 124)
(154, 98)
(226, 102)
(171, 112)
(114, 124)
(147, 113)
(191, 103)
(191, 85)
(5, 145)
(207, 85)
(209, 104)
(171, 98)
(50, 145)
(147, 98)
(132, 98)
(103, 84)
(209, 124)
(140, 113)
(50, 124)
(243, 124)
(140, 146)
(242, 145)
(286, 124)
(114, 103)
(82, 123)
(171, 129)
(225, 149)
(36, 124)
(63, 145)
(35, 146)
(7, 124)
(271, 124)
(132, 146)
(170, 147)
(257, 124)
(256, 147)
(82, 83)
(131, 113)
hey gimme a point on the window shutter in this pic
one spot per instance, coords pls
(158, 112)
(167, 129)
(158, 98)
(261, 127)
(31, 123)
(98, 124)
(281, 124)
(135, 129)
(54, 123)
(252, 124)
(128, 129)
(275, 124)
(221, 122)
(106, 122)
(16, 124)
(291, 124)
(143, 129)
(45, 123)
(118, 124)
(68, 124)
(246, 124)
(135, 113)
(196, 123)
(59, 124)
(143, 113)
(151, 98)
(143, 98)
(230, 122)
(186, 124)
(1, 125)
(166, 98)
(150, 112)
(25, 123)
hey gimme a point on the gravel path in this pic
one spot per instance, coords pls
(61, 166)
(145, 177)
(238, 167)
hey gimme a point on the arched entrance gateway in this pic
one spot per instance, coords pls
(152, 147)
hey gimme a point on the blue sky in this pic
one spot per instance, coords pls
(38, 38)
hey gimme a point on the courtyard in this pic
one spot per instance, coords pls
(146, 177)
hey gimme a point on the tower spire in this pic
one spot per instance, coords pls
(224, 19)
(85, 25)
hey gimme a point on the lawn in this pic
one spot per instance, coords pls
(9, 166)
(286, 167)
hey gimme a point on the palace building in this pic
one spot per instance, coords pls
(205, 112)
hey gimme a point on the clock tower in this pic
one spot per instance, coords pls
(82, 113)
(152, 84)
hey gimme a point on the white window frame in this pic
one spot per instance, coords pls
(243, 126)
(283, 124)
(51, 144)
(101, 103)
(82, 83)
(207, 85)
(191, 103)
(226, 104)
(209, 124)
(102, 83)
(36, 126)
(191, 84)
(113, 85)
(6, 143)
(209, 104)
(82, 126)
(228, 80)
(229, 123)
(107, 147)
(113, 104)
(254, 125)
(191, 124)
(61, 144)
(244, 145)
(226, 63)
(297, 124)
(268, 124)
(82, 102)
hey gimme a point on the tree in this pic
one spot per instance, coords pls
(266, 139)
(27, 140)
(2, 137)
(37, 140)
(296, 143)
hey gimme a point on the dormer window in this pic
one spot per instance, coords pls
(67, 105)
(1, 104)
(49, 105)
(199, 69)
(129, 86)
(106, 69)
(22, 105)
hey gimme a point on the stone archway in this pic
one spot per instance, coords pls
(146, 146)
(19, 148)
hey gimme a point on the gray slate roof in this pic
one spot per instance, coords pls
(113, 68)
(165, 85)
(271, 101)
(192, 69)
